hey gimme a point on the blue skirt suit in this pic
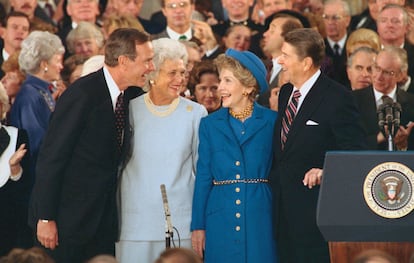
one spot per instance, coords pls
(236, 215)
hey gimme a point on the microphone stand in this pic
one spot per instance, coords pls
(168, 224)
(390, 142)
(386, 110)
(168, 236)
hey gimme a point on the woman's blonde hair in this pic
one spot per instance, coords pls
(362, 37)
(245, 77)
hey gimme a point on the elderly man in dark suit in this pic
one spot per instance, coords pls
(393, 22)
(387, 70)
(316, 115)
(337, 17)
(73, 206)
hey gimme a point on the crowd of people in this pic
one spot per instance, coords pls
(230, 104)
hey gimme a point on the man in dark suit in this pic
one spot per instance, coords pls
(178, 15)
(366, 19)
(17, 26)
(387, 70)
(180, 26)
(316, 114)
(337, 17)
(77, 11)
(393, 22)
(272, 43)
(73, 207)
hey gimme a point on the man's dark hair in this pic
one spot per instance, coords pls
(307, 43)
(123, 42)
(15, 14)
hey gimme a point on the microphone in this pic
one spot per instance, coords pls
(388, 106)
(381, 117)
(168, 225)
(397, 114)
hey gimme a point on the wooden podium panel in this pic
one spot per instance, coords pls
(345, 252)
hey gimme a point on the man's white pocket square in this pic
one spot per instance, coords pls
(311, 123)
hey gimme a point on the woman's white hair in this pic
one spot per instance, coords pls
(37, 47)
(84, 30)
(165, 49)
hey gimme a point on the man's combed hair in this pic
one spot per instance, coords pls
(122, 42)
(307, 43)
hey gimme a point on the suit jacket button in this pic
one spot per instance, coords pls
(237, 163)
(238, 202)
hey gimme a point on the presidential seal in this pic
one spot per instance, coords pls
(388, 190)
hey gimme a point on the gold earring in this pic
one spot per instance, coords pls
(245, 93)
(45, 69)
(151, 82)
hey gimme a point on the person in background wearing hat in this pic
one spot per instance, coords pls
(232, 215)
(317, 114)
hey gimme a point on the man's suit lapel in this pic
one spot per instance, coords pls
(106, 106)
(403, 100)
(309, 105)
(284, 95)
(369, 109)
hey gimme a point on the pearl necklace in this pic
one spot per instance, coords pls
(244, 114)
(154, 109)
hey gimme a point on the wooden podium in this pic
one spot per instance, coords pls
(346, 219)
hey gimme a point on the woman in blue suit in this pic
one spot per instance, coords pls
(231, 219)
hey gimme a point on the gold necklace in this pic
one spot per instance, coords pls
(244, 114)
(160, 113)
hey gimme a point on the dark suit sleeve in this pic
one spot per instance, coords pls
(63, 132)
(346, 125)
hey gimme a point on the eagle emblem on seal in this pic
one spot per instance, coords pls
(391, 189)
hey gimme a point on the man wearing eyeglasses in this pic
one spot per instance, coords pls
(180, 26)
(178, 14)
(336, 17)
(392, 24)
(386, 72)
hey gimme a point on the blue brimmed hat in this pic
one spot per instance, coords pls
(251, 62)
